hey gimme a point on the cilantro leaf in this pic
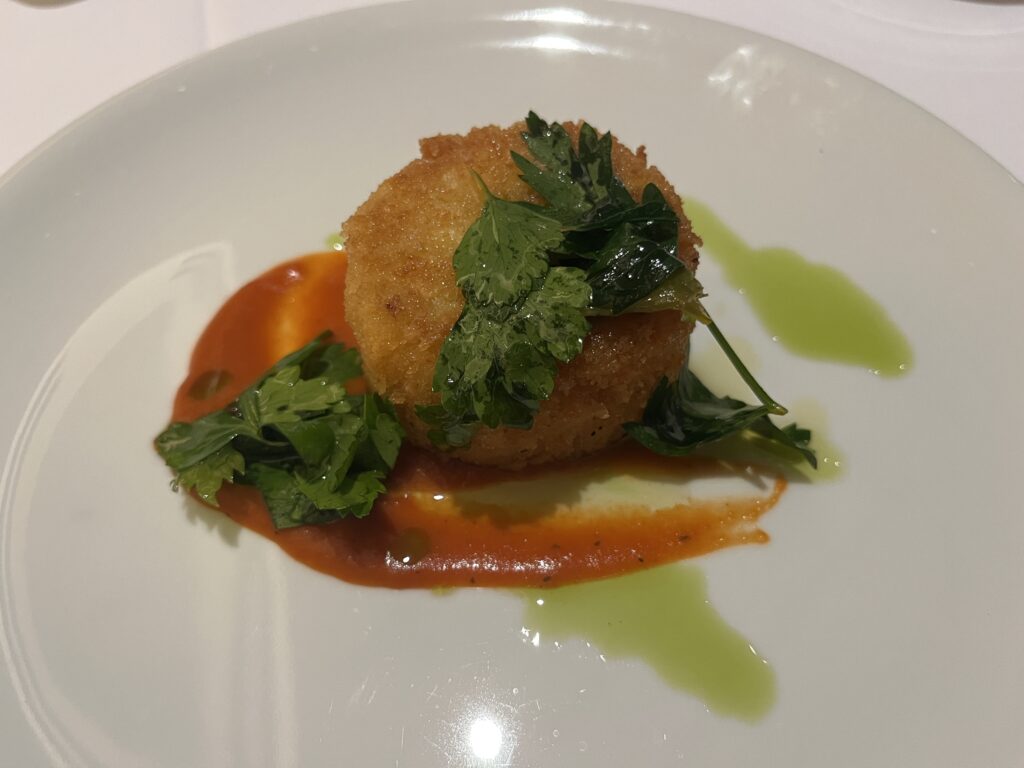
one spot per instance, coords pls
(315, 452)
(683, 416)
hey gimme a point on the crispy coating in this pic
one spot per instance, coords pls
(401, 300)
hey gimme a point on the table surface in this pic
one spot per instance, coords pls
(962, 61)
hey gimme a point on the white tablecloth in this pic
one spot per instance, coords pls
(961, 60)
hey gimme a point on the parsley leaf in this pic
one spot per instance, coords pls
(183, 445)
(207, 476)
(504, 252)
(683, 416)
(552, 316)
(521, 318)
(500, 361)
(681, 292)
(640, 253)
(315, 452)
(284, 397)
(632, 248)
(531, 275)
(577, 185)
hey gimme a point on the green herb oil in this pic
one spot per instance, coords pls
(335, 241)
(811, 309)
(662, 617)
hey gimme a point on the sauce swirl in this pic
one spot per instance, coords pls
(444, 523)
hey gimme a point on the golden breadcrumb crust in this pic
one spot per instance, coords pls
(401, 300)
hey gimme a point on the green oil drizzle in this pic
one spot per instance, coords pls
(661, 616)
(812, 309)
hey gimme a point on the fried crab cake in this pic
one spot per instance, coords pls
(401, 300)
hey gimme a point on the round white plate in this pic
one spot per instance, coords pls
(137, 631)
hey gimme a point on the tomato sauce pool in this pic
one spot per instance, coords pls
(446, 523)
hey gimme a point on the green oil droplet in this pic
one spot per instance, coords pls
(335, 242)
(813, 310)
(661, 616)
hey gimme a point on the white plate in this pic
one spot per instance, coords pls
(138, 633)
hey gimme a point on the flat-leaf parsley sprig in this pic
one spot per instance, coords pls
(315, 452)
(532, 274)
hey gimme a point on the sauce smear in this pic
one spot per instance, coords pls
(445, 523)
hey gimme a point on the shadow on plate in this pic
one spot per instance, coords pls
(45, 3)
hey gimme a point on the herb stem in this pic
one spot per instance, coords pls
(774, 407)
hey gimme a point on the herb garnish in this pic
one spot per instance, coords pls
(530, 274)
(315, 452)
(684, 415)
(522, 316)
(628, 248)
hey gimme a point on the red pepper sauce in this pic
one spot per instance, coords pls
(443, 522)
